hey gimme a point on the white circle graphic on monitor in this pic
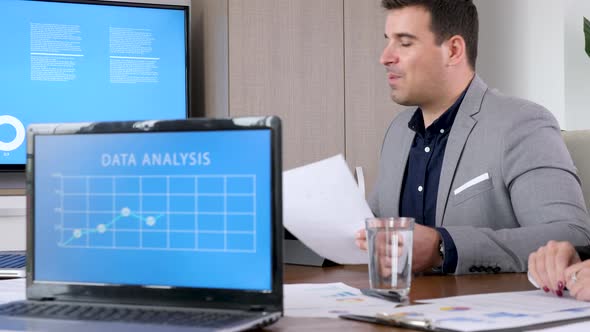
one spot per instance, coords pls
(125, 212)
(20, 133)
(150, 221)
(101, 228)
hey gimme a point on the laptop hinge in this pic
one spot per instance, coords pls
(46, 299)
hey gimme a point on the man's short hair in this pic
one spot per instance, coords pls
(449, 18)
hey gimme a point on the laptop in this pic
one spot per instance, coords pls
(12, 264)
(12, 236)
(169, 225)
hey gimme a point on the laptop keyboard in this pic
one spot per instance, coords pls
(120, 314)
(12, 261)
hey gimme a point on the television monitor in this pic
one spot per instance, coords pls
(81, 60)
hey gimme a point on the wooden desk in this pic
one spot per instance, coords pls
(422, 288)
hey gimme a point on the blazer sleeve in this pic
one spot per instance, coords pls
(545, 192)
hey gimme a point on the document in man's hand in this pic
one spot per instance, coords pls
(323, 207)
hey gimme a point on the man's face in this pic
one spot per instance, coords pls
(414, 63)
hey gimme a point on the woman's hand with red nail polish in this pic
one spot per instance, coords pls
(547, 265)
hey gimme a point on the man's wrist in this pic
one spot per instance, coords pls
(441, 253)
(450, 258)
(438, 257)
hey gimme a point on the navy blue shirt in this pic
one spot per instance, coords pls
(422, 174)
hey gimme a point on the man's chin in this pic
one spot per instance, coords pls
(400, 100)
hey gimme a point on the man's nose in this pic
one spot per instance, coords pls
(388, 56)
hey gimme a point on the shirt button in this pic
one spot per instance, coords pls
(427, 149)
(420, 188)
(442, 131)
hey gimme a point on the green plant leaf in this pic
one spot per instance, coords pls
(587, 35)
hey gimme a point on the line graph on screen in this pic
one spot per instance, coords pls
(215, 213)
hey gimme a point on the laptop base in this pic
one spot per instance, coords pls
(48, 316)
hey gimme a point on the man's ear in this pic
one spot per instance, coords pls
(455, 50)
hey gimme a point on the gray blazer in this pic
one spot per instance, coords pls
(507, 185)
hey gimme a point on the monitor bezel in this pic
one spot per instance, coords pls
(8, 168)
(264, 300)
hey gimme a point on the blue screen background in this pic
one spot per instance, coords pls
(91, 95)
(158, 240)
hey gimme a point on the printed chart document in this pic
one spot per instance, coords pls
(576, 327)
(330, 300)
(323, 207)
(495, 311)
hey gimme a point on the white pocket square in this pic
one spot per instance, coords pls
(471, 183)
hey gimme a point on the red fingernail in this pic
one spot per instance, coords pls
(546, 289)
(559, 293)
(560, 285)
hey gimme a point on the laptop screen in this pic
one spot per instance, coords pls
(180, 209)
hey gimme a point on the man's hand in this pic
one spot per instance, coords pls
(360, 239)
(382, 249)
(425, 255)
(425, 247)
(548, 264)
(579, 286)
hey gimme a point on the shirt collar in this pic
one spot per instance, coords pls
(441, 125)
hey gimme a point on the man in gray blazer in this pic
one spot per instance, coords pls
(487, 177)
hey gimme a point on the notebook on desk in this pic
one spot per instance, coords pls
(152, 226)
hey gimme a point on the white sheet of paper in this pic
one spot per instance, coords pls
(323, 207)
(497, 310)
(12, 290)
(577, 327)
(330, 300)
(515, 301)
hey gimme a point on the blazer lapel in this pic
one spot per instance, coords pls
(460, 131)
(400, 168)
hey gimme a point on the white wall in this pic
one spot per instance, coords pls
(521, 50)
(577, 66)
